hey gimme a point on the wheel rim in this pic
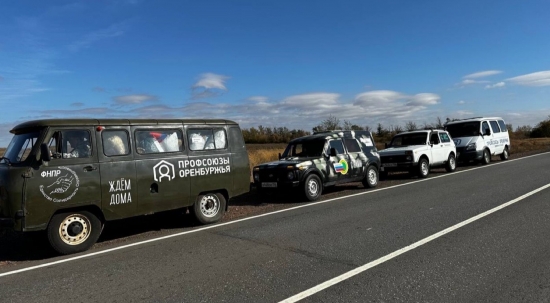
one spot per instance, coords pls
(75, 229)
(452, 162)
(372, 176)
(486, 156)
(424, 168)
(210, 205)
(505, 154)
(313, 187)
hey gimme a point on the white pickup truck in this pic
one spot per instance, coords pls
(417, 152)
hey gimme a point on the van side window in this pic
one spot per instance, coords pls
(70, 144)
(352, 145)
(484, 127)
(153, 141)
(337, 145)
(502, 125)
(115, 143)
(444, 137)
(494, 126)
(205, 139)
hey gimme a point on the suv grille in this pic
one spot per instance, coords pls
(394, 159)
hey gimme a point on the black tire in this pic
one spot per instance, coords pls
(371, 177)
(423, 168)
(486, 159)
(312, 187)
(383, 175)
(505, 154)
(209, 208)
(451, 164)
(73, 232)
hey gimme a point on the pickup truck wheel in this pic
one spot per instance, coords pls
(423, 168)
(371, 178)
(313, 187)
(486, 157)
(73, 232)
(505, 154)
(451, 164)
(209, 208)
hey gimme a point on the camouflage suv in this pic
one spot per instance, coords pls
(323, 159)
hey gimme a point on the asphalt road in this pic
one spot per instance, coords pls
(501, 257)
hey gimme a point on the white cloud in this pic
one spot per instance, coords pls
(87, 40)
(211, 81)
(258, 99)
(461, 102)
(541, 78)
(496, 85)
(423, 99)
(134, 99)
(482, 74)
(311, 100)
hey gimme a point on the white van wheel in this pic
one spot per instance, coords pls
(486, 157)
(73, 232)
(505, 154)
(209, 208)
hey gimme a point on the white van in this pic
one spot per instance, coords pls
(479, 138)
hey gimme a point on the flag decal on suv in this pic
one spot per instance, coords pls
(341, 167)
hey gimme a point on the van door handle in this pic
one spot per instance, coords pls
(89, 168)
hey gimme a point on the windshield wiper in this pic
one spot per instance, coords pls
(7, 160)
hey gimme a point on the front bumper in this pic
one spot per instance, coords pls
(276, 185)
(464, 155)
(398, 166)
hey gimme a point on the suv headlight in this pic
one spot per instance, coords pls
(290, 175)
(471, 146)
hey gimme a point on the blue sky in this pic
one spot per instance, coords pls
(275, 63)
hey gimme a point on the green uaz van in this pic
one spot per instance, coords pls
(69, 176)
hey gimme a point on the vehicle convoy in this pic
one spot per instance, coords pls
(323, 159)
(417, 152)
(479, 138)
(68, 177)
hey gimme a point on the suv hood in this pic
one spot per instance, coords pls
(286, 162)
(464, 141)
(390, 151)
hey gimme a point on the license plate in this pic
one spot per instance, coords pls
(389, 164)
(269, 184)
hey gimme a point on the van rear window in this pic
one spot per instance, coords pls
(154, 141)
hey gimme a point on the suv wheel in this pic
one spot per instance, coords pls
(451, 163)
(423, 168)
(313, 187)
(486, 157)
(505, 154)
(371, 178)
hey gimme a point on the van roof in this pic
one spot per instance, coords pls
(109, 122)
(474, 119)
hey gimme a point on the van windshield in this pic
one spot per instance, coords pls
(466, 129)
(20, 147)
(307, 148)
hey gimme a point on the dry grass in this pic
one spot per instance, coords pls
(530, 145)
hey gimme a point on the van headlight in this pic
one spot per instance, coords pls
(471, 146)
(257, 177)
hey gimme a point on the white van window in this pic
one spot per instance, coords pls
(444, 137)
(464, 129)
(153, 141)
(494, 126)
(484, 127)
(502, 125)
(207, 139)
(115, 143)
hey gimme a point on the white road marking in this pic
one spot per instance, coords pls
(87, 255)
(403, 250)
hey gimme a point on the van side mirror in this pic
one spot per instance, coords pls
(333, 152)
(45, 153)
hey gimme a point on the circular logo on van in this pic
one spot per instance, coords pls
(61, 184)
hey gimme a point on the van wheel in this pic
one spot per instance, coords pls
(423, 168)
(73, 232)
(313, 187)
(505, 154)
(209, 208)
(371, 179)
(451, 164)
(486, 157)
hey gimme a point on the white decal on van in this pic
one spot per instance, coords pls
(164, 169)
(120, 190)
(203, 167)
(63, 188)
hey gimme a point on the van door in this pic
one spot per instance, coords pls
(119, 198)
(70, 179)
(487, 136)
(160, 153)
(498, 146)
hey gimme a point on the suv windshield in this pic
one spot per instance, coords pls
(466, 129)
(307, 148)
(20, 147)
(409, 139)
